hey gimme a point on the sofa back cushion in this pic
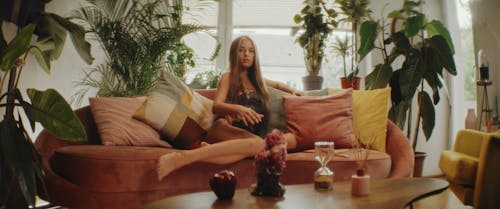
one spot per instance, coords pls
(181, 115)
(325, 118)
(113, 117)
(276, 112)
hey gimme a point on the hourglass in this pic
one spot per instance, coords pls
(323, 153)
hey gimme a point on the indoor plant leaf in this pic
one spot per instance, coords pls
(411, 75)
(444, 54)
(414, 24)
(39, 50)
(5, 172)
(77, 34)
(397, 114)
(17, 47)
(396, 14)
(435, 27)
(401, 42)
(368, 33)
(53, 112)
(3, 42)
(380, 77)
(396, 96)
(49, 28)
(427, 114)
(17, 152)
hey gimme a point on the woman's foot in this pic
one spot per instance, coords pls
(168, 163)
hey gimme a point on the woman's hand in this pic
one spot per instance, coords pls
(248, 115)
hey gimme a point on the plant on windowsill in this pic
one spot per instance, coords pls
(21, 176)
(317, 22)
(354, 12)
(426, 49)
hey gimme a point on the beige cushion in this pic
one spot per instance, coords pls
(113, 117)
(458, 167)
(181, 115)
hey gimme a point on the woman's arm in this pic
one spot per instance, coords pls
(235, 111)
(283, 87)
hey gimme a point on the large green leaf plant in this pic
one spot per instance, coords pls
(20, 162)
(424, 49)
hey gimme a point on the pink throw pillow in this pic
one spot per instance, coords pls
(113, 117)
(325, 118)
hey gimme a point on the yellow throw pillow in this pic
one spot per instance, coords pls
(370, 110)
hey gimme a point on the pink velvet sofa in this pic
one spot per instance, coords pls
(91, 175)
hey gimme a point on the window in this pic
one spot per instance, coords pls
(466, 44)
(269, 24)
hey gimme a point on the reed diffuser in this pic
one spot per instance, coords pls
(360, 181)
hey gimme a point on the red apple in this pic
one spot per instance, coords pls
(223, 184)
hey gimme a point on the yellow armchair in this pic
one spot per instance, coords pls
(473, 168)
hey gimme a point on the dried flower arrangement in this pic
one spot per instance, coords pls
(269, 164)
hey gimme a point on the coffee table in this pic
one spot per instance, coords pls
(384, 194)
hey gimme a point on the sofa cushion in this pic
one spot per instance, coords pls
(327, 118)
(276, 112)
(180, 114)
(370, 109)
(458, 167)
(113, 117)
(113, 169)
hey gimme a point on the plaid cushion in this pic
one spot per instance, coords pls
(181, 115)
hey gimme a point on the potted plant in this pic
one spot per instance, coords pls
(139, 39)
(426, 49)
(20, 166)
(317, 22)
(354, 12)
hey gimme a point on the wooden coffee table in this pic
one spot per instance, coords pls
(384, 194)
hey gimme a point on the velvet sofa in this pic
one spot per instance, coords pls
(92, 175)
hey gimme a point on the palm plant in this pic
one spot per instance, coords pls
(139, 38)
(20, 162)
(341, 47)
(354, 12)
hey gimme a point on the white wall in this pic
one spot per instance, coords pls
(440, 137)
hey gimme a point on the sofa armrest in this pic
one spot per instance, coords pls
(469, 142)
(401, 152)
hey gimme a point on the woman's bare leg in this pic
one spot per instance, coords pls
(290, 140)
(220, 153)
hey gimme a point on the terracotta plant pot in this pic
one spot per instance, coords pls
(419, 164)
(344, 81)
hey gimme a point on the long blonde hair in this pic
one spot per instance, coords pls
(254, 74)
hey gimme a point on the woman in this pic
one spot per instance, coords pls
(242, 102)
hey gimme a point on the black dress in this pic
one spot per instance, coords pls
(252, 100)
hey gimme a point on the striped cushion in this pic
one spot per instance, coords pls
(181, 115)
